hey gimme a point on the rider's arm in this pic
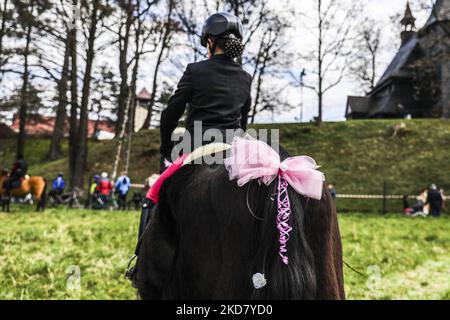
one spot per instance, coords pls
(174, 111)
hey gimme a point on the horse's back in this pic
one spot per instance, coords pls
(212, 230)
(216, 241)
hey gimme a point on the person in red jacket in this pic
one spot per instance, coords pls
(104, 188)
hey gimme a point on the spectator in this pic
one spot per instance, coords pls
(332, 191)
(123, 185)
(137, 200)
(104, 188)
(58, 186)
(93, 188)
(435, 201)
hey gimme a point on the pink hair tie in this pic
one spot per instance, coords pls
(253, 159)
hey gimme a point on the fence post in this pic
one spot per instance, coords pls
(384, 197)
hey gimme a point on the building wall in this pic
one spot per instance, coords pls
(446, 90)
(445, 69)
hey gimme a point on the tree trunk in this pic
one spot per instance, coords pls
(3, 31)
(164, 46)
(24, 95)
(258, 93)
(123, 68)
(133, 102)
(154, 88)
(372, 79)
(59, 127)
(81, 154)
(73, 125)
(320, 62)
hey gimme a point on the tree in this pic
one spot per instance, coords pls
(332, 26)
(73, 122)
(267, 56)
(27, 17)
(142, 34)
(167, 29)
(104, 95)
(127, 17)
(6, 27)
(93, 14)
(61, 36)
(363, 66)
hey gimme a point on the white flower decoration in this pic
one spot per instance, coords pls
(259, 281)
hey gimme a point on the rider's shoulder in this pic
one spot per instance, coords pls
(194, 66)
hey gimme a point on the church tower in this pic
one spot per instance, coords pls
(409, 25)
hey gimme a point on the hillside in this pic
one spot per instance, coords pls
(356, 156)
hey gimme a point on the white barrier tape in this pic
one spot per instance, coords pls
(343, 196)
(371, 196)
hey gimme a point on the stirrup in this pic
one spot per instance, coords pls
(130, 273)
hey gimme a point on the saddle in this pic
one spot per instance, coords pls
(206, 150)
(13, 183)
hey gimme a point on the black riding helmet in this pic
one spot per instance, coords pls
(221, 25)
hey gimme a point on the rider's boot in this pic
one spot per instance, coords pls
(146, 212)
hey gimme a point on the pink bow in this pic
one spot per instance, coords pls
(253, 159)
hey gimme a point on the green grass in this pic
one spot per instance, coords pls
(356, 156)
(38, 249)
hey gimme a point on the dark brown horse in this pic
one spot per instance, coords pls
(208, 237)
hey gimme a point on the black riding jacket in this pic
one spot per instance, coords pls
(19, 169)
(216, 91)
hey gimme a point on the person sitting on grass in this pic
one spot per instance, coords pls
(58, 186)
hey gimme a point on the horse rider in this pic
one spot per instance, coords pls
(216, 91)
(18, 173)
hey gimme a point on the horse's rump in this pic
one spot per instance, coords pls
(208, 237)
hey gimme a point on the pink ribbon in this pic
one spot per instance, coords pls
(253, 159)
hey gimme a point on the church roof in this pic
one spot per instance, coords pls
(399, 61)
(441, 11)
(144, 95)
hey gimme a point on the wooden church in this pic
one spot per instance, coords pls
(417, 82)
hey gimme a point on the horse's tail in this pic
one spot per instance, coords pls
(296, 280)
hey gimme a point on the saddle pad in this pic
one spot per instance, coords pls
(206, 150)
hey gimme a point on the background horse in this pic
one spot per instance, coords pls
(208, 237)
(35, 185)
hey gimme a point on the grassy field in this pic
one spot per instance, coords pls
(356, 156)
(399, 257)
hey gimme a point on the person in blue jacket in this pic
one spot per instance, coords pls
(123, 186)
(58, 186)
